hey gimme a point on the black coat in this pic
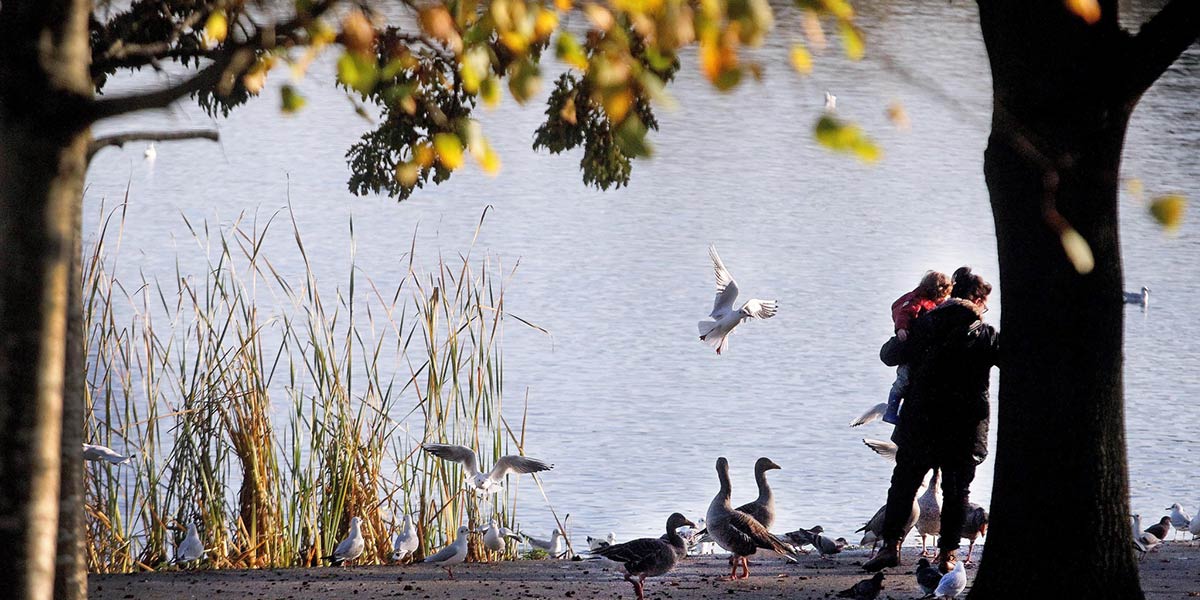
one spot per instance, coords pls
(950, 352)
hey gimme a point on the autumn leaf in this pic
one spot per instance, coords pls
(358, 72)
(852, 41)
(1168, 210)
(1088, 10)
(848, 138)
(216, 27)
(449, 150)
(1078, 251)
(358, 35)
(801, 59)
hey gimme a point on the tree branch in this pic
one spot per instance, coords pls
(121, 139)
(1161, 40)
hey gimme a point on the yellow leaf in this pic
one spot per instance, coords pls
(568, 50)
(545, 23)
(437, 22)
(617, 105)
(568, 110)
(515, 41)
(801, 59)
(898, 116)
(407, 173)
(423, 154)
(599, 16)
(490, 161)
(358, 35)
(813, 30)
(1078, 251)
(292, 101)
(216, 27)
(839, 8)
(563, 5)
(1135, 189)
(1168, 210)
(1088, 10)
(852, 41)
(449, 150)
(489, 89)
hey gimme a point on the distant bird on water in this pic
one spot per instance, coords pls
(952, 583)
(493, 480)
(716, 333)
(597, 543)
(191, 548)
(830, 102)
(649, 557)
(349, 548)
(873, 414)
(453, 554)
(151, 152)
(406, 541)
(96, 452)
(736, 531)
(867, 589)
(1141, 298)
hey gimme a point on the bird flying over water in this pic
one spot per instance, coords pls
(493, 480)
(96, 452)
(716, 333)
(873, 414)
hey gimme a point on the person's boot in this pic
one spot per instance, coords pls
(945, 560)
(888, 557)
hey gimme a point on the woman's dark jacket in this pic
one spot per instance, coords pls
(950, 352)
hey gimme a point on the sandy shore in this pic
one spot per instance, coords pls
(1172, 573)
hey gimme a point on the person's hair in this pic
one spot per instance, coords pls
(969, 286)
(934, 285)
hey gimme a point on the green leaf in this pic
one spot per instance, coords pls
(568, 50)
(631, 138)
(292, 101)
(357, 72)
(1168, 210)
(840, 136)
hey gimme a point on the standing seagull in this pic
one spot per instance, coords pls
(556, 547)
(649, 557)
(1179, 519)
(1194, 527)
(493, 480)
(453, 554)
(96, 452)
(737, 531)
(495, 538)
(952, 583)
(716, 333)
(349, 548)
(191, 548)
(406, 541)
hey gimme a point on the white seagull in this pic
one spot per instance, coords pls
(1180, 520)
(95, 452)
(595, 543)
(453, 554)
(406, 541)
(830, 102)
(883, 448)
(716, 333)
(493, 480)
(1141, 298)
(151, 153)
(556, 547)
(1194, 527)
(494, 538)
(349, 548)
(873, 414)
(191, 548)
(952, 583)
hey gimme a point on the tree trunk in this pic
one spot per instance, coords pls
(70, 575)
(1053, 159)
(44, 55)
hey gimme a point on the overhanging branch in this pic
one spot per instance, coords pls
(1161, 40)
(121, 139)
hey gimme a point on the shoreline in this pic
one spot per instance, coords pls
(1173, 572)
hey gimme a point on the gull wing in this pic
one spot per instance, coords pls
(882, 448)
(760, 309)
(517, 464)
(727, 289)
(873, 414)
(458, 454)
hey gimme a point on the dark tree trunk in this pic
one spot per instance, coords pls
(43, 85)
(70, 575)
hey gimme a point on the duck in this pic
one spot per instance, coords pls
(406, 541)
(930, 520)
(975, 524)
(453, 554)
(736, 531)
(492, 481)
(649, 557)
(1138, 298)
(349, 548)
(716, 333)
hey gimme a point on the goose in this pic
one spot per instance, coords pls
(96, 453)
(555, 547)
(453, 554)
(928, 576)
(827, 547)
(191, 548)
(763, 507)
(930, 520)
(349, 548)
(867, 589)
(649, 557)
(874, 526)
(975, 524)
(406, 541)
(716, 333)
(873, 414)
(1180, 520)
(736, 531)
(1139, 298)
(952, 583)
(493, 480)
(882, 448)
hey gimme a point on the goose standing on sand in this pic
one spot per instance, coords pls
(649, 557)
(453, 554)
(1180, 520)
(716, 333)
(763, 507)
(349, 548)
(736, 531)
(191, 548)
(929, 522)
(96, 452)
(492, 481)
(406, 541)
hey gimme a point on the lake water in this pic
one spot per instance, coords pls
(631, 407)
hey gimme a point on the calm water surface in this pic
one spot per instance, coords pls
(623, 398)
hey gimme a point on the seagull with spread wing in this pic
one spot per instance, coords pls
(715, 333)
(493, 480)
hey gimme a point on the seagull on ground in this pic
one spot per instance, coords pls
(1143, 541)
(406, 541)
(191, 548)
(493, 480)
(96, 452)
(1194, 527)
(867, 589)
(1161, 528)
(928, 576)
(874, 526)
(555, 547)
(952, 583)
(873, 414)
(716, 333)
(495, 538)
(453, 554)
(736, 531)
(1180, 520)
(349, 548)
(595, 543)
(1139, 298)
(649, 557)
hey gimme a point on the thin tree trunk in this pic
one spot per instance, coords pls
(70, 576)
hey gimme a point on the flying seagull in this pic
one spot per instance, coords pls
(96, 452)
(493, 480)
(349, 548)
(715, 333)
(873, 414)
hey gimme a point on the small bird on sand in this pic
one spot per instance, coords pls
(1161, 528)
(453, 554)
(867, 589)
(873, 414)
(349, 548)
(1180, 520)
(493, 480)
(803, 537)
(96, 452)
(556, 547)
(495, 537)
(952, 583)
(191, 548)
(406, 541)
(1143, 541)
(928, 576)
(828, 547)
(648, 557)
(716, 333)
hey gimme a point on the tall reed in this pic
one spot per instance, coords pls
(269, 410)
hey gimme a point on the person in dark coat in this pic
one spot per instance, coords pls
(950, 352)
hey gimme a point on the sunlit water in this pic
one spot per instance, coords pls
(631, 407)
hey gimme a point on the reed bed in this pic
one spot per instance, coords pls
(269, 409)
